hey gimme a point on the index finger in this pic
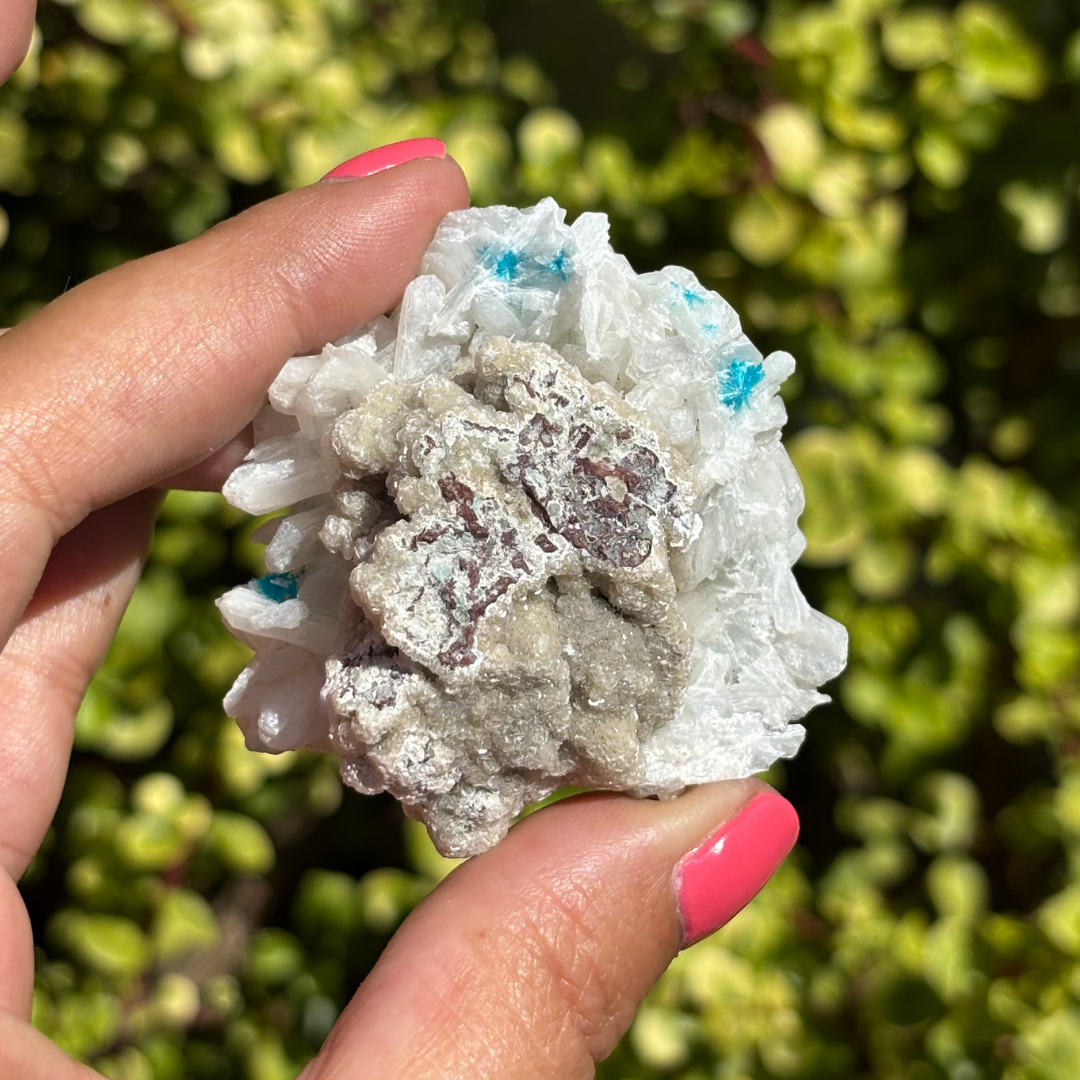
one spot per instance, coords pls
(16, 29)
(141, 372)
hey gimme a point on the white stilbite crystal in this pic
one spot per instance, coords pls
(541, 532)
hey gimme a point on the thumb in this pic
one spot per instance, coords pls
(16, 26)
(143, 371)
(529, 961)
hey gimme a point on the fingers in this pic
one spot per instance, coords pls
(27, 1054)
(16, 28)
(16, 952)
(142, 372)
(48, 662)
(212, 472)
(529, 961)
(43, 676)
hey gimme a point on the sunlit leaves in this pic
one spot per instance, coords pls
(766, 226)
(886, 188)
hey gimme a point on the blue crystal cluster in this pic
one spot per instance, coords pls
(736, 383)
(277, 587)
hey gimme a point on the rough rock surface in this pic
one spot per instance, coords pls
(519, 617)
(541, 534)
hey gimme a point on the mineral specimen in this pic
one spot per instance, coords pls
(541, 533)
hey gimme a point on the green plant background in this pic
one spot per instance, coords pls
(887, 189)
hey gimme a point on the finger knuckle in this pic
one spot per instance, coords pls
(27, 475)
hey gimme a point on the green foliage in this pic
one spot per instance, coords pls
(888, 189)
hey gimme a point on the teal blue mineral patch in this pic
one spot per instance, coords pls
(277, 587)
(560, 266)
(525, 269)
(505, 266)
(736, 382)
(691, 298)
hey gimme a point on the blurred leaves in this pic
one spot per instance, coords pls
(886, 188)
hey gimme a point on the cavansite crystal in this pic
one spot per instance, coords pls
(540, 533)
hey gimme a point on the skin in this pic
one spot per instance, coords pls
(528, 961)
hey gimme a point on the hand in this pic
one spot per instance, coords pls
(528, 961)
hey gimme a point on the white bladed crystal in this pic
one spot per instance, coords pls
(541, 532)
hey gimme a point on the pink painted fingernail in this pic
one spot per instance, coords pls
(386, 157)
(715, 881)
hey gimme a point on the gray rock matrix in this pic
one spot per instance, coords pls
(541, 533)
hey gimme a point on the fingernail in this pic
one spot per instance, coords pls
(386, 157)
(715, 881)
